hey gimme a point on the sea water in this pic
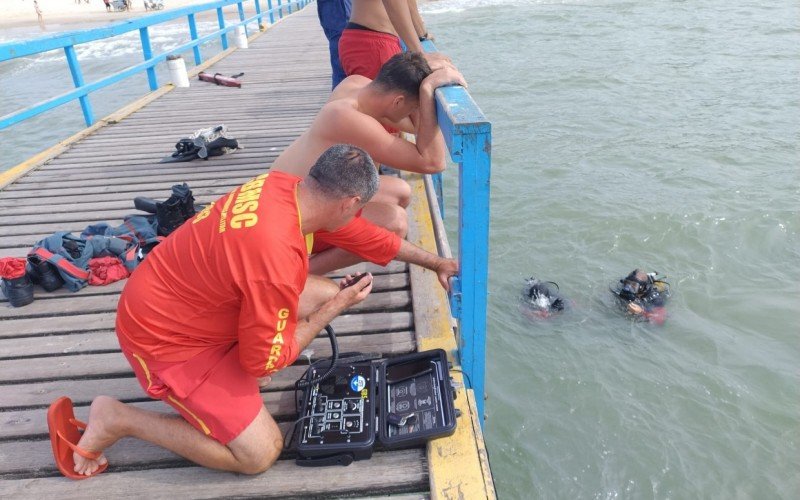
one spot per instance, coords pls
(655, 134)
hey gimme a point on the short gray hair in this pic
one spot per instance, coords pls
(343, 171)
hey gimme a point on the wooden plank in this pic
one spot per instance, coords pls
(31, 423)
(382, 282)
(63, 305)
(379, 475)
(115, 365)
(105, 341)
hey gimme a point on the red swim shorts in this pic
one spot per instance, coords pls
(363, 52)
(211, 390)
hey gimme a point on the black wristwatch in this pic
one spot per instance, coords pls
(423, 37)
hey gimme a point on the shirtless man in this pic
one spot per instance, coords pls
(401, 96)
(374, 32)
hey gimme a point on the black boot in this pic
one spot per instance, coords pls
(18, 291)
(44, 273)
(169, 216)
(184, 196)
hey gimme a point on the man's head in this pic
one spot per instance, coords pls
(346, 178)
(401, 77)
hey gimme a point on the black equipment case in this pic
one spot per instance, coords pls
(404, 401)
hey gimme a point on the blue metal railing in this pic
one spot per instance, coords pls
(468, 135)
(68, 41)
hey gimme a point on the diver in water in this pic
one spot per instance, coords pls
(643, 295)
(539, 300)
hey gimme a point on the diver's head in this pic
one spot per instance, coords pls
(541, 297)
(636, 285)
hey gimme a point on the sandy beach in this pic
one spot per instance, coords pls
(19, 13)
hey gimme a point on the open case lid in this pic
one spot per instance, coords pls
(415, 399)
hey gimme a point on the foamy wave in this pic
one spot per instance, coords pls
(162, 38)
(450, 6)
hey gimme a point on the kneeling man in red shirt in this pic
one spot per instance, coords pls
(226, 301)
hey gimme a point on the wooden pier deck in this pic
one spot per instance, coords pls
(64, 343)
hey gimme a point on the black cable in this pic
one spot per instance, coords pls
(462, 372)
(292, 428)
(303, 382)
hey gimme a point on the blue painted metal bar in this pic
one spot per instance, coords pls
(468, 136)
(271, 13)
(148, 54)
(280, 10)
(198, 59)
(289, 4)
(221, 21)
(77, 79)
(240, 8)
(11, 50)
(257, 3)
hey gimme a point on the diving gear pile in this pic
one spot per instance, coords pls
(100, 255)
(203, 143)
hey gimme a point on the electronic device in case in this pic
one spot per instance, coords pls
(401, 401)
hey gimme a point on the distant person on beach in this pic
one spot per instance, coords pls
(357, 112)
(333, 16)
(206, 342)
(39, 16)
(374, 32)
(108, 5)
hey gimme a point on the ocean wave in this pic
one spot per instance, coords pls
(453, 6)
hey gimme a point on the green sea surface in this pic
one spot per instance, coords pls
(654, 134)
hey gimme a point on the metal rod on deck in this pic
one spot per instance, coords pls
(289, 5)
(147, 51)
(280, 10)
(198, 59)
(221, 21)
(473, 251)
(271, 14)
(77, 79)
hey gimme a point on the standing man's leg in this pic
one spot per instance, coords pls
(333, 16)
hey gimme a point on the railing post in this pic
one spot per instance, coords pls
(221, 21)
(193, 33)
(280, 10)
(289, 5)
(240, 8)
(473, 235)
(271, 14)
(147, 51)
(438, 189)
(258, 13)
(77, 79)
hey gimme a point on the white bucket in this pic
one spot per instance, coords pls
(177, 71)
(240, 39)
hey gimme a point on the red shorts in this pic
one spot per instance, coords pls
(211, 390)
(363, 52)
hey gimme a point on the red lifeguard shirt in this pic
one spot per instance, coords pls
(234, 273)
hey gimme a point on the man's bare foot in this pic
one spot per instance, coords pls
(99, 434)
